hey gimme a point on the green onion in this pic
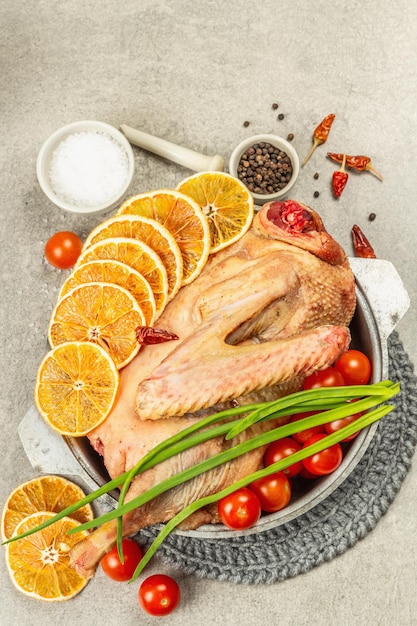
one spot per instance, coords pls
(334, 399)
(267, 413)
(238, 450)
(324, 443)
(345, 392)
(308, 400)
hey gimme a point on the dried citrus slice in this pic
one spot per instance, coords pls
(76, 387)
(184, 220)
(118, 273)
(225, 201)
(151, 232)
(39, 564)
(43, 493)
(103, 313)
(136, 254)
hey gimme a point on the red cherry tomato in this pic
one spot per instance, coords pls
(329, 377)
(280, 449)
(112, 565)
(324, 462)
(273, 491)
(305, 435)
(63, 249)
(308, 475)
(332, 427)
(159, 594)
(355, 367)
(240, 509)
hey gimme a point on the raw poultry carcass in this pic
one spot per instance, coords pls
(264, 313)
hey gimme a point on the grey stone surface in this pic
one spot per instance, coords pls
(194, 74)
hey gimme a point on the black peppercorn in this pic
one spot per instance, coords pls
(290, 136)
(246, 124)
(371, 217)
(274, 106)
(316, 194)
(316, 175)
(264, 168)
(281, 116)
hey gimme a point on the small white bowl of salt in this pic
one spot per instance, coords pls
(86, 167)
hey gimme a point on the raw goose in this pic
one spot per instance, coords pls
(267, 311)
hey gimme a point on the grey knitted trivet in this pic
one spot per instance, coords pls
(331, 527)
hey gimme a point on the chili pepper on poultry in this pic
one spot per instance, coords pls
(363, 248)
(147, 335)
(340, 179)
(359, 163)
(320, 134)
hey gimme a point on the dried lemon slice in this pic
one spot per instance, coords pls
(184, 220)
(136, 254)
(39, 564)
(151, 232)
(76, 387)
(118, 273)
(226, 203)
(43, 493)
(103, 313)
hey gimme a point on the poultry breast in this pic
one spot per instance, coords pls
(265, 312)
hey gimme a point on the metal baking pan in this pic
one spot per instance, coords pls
(382, 300)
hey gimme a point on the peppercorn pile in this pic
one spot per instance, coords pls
(264, 169)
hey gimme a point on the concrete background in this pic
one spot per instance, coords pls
(193, 73)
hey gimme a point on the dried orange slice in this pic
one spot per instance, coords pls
(39, 564)
(119, 274)
(76, 387)
(151, 232)
(103, 313)
(136, 254)
(43, 493)
(184, 220)
(225, 201)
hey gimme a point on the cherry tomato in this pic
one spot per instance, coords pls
(329, 377)
(308, 475)
(355, 367)
(240, 509)
(273, 491)
(116, 570)
(159, 594)
(305, 435)
(332, 427)
(63, 249)
(324, 462)
(280, 449)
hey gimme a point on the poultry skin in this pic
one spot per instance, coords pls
(264, 313)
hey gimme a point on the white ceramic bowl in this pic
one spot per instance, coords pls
(47, 151)
(278, 142)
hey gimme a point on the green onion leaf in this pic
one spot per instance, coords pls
(324, 443)
(334, 400)
(238, 450)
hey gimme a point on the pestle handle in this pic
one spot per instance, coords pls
(183, 156)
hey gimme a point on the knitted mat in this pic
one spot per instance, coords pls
(331, 527)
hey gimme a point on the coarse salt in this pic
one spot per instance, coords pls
(88, 169)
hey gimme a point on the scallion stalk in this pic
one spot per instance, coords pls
(344, 392)
(334, 399)
(238, 450)
(324, 443)
(299, 402)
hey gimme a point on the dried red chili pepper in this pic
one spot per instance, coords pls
(363, 248)
(320, 134)
(340, 179)
(147, 335)
(359, 163)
